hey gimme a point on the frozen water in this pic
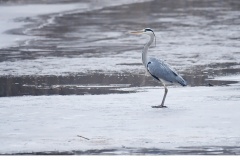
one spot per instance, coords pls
(185, 37)
(11, 14)
(197, 116)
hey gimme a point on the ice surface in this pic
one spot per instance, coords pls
(64, 65)
(9, 15)
(185, 40)
(229, 78)
(197, 116)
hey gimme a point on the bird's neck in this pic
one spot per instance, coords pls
(145, 49)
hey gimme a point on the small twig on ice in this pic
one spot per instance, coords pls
(83, 137)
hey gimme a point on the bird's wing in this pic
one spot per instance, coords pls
(162, 71)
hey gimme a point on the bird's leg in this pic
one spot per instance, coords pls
(164, 97)
(163, 100)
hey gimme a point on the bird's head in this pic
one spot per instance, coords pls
(147, 31)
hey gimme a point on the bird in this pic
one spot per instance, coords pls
(157, 68)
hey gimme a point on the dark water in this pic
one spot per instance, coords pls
(87, 84)
(203, 150)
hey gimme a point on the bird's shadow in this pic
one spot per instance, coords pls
(159, 106)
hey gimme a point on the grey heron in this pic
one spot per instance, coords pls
(157, 68)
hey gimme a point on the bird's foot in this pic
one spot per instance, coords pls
(160, 106)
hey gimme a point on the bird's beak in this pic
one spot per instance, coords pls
(136, 32)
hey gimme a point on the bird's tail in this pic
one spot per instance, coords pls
(181, 81)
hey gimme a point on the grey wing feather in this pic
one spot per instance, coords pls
(162, 71)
